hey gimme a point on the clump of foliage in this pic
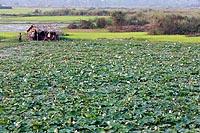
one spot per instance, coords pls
(176, 24)
(124, 23)
(101, 23)
(118, 18)
(134, 20)
(86, 24)
(99, 86)
(37, 12)
(72, 26)
(90, 24)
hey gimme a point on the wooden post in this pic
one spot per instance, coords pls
(37, 34)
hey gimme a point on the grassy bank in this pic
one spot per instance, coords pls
(11, 37)
(138, 36)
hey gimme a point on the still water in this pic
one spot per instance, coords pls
(20, 27)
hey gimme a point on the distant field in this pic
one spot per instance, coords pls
(60, 19)
(24, 10)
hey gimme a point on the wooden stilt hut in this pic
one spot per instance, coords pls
(40, 32)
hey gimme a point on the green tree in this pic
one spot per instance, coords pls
(118, 18)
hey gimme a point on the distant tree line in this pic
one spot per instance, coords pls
(75, 12)
(82, 12)
(119, 22)
(163, 24)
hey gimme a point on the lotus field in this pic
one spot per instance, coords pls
(100, 86)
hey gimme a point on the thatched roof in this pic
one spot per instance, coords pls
(46, 28)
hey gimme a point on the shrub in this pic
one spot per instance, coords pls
(101, 23)
(72, 26)
(37, 12)
(176, 24)
(136, 21)
(118, 18)
(84, 24)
